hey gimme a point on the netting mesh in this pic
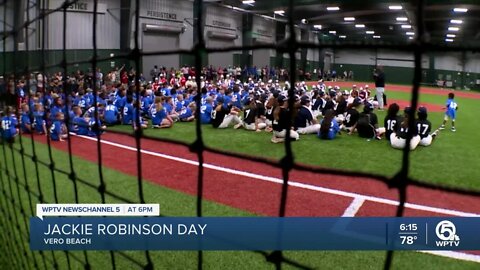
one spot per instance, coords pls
(19, 196)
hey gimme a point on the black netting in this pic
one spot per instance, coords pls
(18, 197)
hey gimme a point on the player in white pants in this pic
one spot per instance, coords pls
(305, 121)
(230, 119)
(424, 127)
(398, 142)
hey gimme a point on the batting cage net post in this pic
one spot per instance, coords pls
(19, 197)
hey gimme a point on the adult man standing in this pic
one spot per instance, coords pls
(379, 77)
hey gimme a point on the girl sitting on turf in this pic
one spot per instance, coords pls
(160, 118)
(367, 124)
(280, 122)
(392, 120)
(424, 127)
(329, 126)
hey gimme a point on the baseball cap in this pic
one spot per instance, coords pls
(357, 101)
(281, 98)
(220, 99)
(304, 99)
(422, 109)
(407, 109)
(368, 106)
(345, 93)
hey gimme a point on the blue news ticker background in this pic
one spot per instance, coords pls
(265, 233)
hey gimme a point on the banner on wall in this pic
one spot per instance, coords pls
(80, 6)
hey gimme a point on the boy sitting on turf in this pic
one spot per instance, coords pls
(58, 130)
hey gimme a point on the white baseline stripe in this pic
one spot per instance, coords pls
(353, 208)
(296, 184)
(357, 197)
(454, 255)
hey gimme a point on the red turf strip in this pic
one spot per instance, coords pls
(430, 106)
(255, 195)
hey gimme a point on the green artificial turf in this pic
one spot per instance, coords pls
(451, 160)
(173, 203)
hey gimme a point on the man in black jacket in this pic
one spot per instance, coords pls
(379, 77)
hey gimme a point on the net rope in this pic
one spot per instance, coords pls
(18, 196)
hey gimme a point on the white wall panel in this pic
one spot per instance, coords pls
(80, 28)
(473, 62)
(168, 13)
(9, 22)
(312, 54)
(264, 31)
(448, 61)
(357, 57)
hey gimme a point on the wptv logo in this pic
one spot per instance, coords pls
(447, 233)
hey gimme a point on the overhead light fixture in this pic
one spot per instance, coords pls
(453, 29)
(342, 36)
(395, 7)
(349, 19)
(460, 10)
(360, 25)
(317, 26)
(449, 40)
(370, 32)
(410, 33)
(402, 19)
(410, 37)
(333, 8)
(332, 32)
(451, 35)
(248, 2)
(279, 12)
(406, 26)
(456, 21)
(304, 21)
(376, 36)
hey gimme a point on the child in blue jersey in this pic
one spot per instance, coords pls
(128, 112)
(111, 114)
(95, 127)
(79, 123)
(9, 125)
(137, 119)
(206, 111)
(188, 113)
(451, 108)
(80, 100)
(180, 103)
(145, 101)
(25, 122)
(329, 126)
(160, 118)
(38, 119)
(89, 98)
(170, 108)
(91, 111)
(58, 131)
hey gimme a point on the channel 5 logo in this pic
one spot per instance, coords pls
(447, 233)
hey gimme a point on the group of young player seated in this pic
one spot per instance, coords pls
(251, 105)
